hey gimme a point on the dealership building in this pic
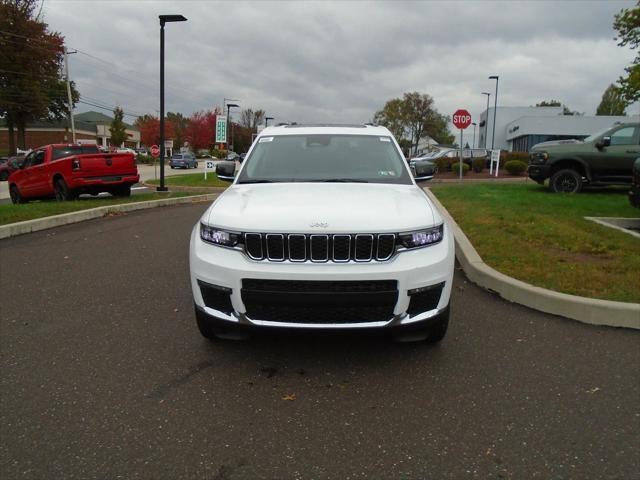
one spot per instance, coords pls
(91, 127)
(520, 128)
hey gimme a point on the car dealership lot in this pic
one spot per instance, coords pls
(104, 375)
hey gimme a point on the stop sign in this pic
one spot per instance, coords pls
(461, 119)
(155, 151)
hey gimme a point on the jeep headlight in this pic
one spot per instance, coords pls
(538, 157)
(422, 238)
(218, 237)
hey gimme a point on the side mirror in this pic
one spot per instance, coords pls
(605, 142)
(226, 171)
(423, 170)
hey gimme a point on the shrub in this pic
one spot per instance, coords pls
(443, 164)
(515, 167)
(218, 153)
(478, 164)
(508, 156)
(455, 168)
(146, 159)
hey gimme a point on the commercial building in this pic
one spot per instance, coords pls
(91, 127)
(520, 128)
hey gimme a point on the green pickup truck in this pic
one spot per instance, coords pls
(605, 158)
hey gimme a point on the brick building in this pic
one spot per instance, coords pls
(91, 127)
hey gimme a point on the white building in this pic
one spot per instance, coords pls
(520, 128)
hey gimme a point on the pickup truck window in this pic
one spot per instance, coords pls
(325, 158)
(34, 158)
(625, 136)
(66, 151)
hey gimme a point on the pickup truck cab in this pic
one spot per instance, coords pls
(605, 158)
(65, 171)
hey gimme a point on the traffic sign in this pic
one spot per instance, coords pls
(221, 129)
(461, 119)
(155, 151)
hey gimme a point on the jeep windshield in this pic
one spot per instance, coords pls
(325, 158)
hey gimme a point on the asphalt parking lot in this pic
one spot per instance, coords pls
(104, 375)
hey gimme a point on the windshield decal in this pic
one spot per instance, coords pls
(265, 139)
(385, 139)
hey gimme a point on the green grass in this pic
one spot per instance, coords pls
(10, 213)
(541, 238)
(192, 180)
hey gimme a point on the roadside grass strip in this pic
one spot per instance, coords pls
(543, 239)
(192, 180)
(10, 213)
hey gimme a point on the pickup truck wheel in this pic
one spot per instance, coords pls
(565, 181)
(14, 193)
(124, 191)
(62, 192)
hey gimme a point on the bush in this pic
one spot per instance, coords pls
(443, 164)
(146, 159)
(478, 164)
(515, 167)
(218, 153)
(455, 168)
(507, 156)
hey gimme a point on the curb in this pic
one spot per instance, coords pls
(181, 188)
(28, 226)
(583, 309)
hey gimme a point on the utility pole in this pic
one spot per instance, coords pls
(69, 99)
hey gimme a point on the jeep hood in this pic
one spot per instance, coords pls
(322, 207)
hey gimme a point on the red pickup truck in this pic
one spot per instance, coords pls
(66, 171)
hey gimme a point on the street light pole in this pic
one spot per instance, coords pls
(163, 19)
(495, 109)
(486, 120)
(229, 107)
(70, 100)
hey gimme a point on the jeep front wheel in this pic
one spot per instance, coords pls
(565, 181)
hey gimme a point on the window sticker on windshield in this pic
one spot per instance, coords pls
(385, 139)
(265, 139)
(386, 173)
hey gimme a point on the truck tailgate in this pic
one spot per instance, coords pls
(105, 165)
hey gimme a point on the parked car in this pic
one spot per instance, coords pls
(605, 158)
(232, 157)
(65, 171)
(634, 193)
(183, 160)
(323, 228)
(422, 168)
(9, 166)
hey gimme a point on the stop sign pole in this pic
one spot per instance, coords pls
(461, 120)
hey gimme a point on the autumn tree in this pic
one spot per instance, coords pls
(200, 130)
(251, 119)
(179, 124)
(414, 117)
(613, 103)
(149, 127)
(118, 129)
(627, 24)
(30, 64)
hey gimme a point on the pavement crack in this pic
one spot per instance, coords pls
(162, 390)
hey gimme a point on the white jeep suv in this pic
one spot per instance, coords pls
(323, 228)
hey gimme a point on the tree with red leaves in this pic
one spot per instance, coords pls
(149, 127)
(200, 130)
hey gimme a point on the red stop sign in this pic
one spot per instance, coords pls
(155, 151)
(461, 119)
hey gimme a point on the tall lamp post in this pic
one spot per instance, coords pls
(473, 143)
(486, 120)
(229, 107)
(266, 121)
(164, 19)
(495, 109)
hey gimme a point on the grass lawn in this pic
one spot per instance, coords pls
(539, 237)
(10, 213)
(192, 180)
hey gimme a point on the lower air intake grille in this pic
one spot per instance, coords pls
(425, 299)
(216, 297)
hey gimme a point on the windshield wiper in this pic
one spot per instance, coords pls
(341, 180)
(256, 181)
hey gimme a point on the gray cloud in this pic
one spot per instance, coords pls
(340, 61)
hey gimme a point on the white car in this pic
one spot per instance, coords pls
(323, 228)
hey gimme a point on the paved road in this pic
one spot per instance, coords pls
(103, 375)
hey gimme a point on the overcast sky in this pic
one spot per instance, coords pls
(340, 61)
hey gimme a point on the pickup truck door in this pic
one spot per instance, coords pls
(624, 149)
(38, 178)
(25, 178)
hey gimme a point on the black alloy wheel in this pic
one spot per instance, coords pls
(566, 181)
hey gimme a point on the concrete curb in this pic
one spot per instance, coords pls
(20, 228)
(583, 309)
(182, 188)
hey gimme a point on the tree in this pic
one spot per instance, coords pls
(179, 123)
(149, 127)
(612, 102)
(30, 64)
(250, 119)
(200, 130)
(627, 24)
(118, 129)
(555, 103)
(412, 118)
